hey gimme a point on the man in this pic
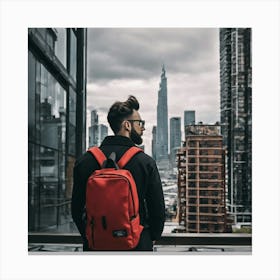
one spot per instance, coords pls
(128, 127)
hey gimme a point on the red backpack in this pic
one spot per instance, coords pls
(112, 204)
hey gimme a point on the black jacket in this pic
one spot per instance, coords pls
(145, 173)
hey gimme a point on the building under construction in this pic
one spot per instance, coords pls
(201, 180)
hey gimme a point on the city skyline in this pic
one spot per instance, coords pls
(132, 65)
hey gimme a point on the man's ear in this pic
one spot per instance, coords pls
(127, 125)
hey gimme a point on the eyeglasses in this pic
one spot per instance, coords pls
(141, 123)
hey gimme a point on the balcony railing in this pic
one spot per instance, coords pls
(169, 242)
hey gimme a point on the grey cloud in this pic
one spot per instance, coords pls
(124, 61)
(121, 53)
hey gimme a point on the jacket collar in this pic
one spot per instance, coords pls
(117, 140)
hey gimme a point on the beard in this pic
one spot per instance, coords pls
(135, 137)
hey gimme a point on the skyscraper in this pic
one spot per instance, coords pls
(103, 132)
(94, 117)
(93, 129)
(236, 119)
(175, 138)
(162, 122)
(154, 140)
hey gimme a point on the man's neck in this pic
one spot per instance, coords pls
(124, 133)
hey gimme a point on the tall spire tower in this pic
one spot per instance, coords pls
(162, 122)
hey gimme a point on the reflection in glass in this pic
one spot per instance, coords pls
(60, 45)
(73, 54)
(49, 178)
(52, 126)
(31, 95)
(46, 153)
(72, 121)
(53, 110)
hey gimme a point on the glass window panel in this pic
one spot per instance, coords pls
(61, 45)
(48, 194)
(73, 54)
(72, 121)
(31, 95)
(37, 102)
(50, 172)
(48, 205)
(69, 184)
(33, 186)
(52, 112)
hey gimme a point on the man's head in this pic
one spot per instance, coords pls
(125, 120)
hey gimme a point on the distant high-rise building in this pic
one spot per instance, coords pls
(97, 132)
(175, 138)
(162, 123)
(236, 119)
(93, 134)
(103, 133)
(94, 117)
(154, 140)
(175, 132)
(189, 117)
(93, 129)
(201, 180)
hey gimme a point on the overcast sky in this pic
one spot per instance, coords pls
(128, 61)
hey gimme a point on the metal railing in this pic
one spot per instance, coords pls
(190, 240)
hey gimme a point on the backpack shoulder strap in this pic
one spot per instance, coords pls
(128, 155)
(98, 154)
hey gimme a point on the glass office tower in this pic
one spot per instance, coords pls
(56, 122)
(236, 119)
